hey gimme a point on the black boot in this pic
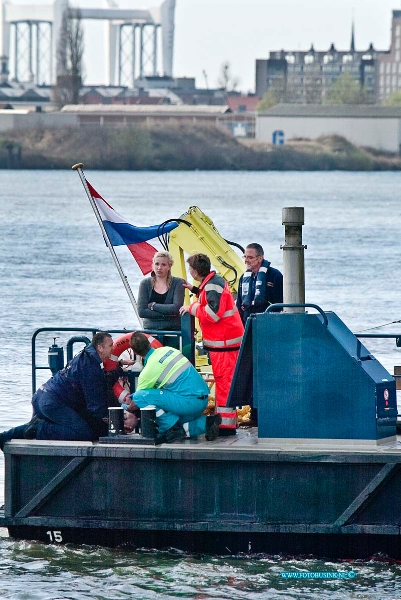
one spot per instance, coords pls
(16, 433)
(176, 432)
(253, 420)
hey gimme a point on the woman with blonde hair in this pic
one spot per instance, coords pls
(161, 295)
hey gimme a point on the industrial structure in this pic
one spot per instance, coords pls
(137, 42)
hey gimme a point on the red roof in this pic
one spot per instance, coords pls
(243, 103)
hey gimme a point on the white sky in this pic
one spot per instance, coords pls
(210, 32)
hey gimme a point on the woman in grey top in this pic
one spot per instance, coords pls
(161, 296)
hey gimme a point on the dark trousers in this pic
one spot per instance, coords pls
(16, 433)
(60, 422)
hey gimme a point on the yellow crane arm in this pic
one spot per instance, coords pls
(198, 234)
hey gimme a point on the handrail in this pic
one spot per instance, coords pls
(396, 336)
(35, 368)
(299, 305)
(186, 335)
(75, 340)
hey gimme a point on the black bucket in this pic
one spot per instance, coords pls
(116, 420)
(148, 422)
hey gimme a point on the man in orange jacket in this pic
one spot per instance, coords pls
(220, 322)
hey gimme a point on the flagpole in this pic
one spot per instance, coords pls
(78, 167)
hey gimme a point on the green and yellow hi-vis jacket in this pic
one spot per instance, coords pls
(167, 368)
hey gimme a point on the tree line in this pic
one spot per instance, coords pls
(345, 90)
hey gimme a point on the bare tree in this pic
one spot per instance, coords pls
(69, 58)
(226, 80)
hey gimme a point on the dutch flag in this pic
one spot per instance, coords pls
(122, 233)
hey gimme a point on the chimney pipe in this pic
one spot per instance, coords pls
(293, 259)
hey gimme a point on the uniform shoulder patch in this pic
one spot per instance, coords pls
(163, 358)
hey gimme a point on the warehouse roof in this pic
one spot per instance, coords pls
(334, 110)
(146, 110)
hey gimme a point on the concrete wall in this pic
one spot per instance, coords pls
(31, 120)
(379, 133)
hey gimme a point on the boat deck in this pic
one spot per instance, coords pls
(245, 441)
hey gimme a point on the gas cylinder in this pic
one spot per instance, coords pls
(55, 357)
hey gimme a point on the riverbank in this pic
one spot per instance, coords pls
(185, 147)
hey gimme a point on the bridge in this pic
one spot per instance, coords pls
(137, 42)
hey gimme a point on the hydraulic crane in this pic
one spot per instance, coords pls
(197, 233)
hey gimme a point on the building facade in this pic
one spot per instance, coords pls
(305, 77)
(388, 72)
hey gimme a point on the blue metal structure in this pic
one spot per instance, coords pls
(312, 379)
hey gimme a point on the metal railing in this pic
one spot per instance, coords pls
(186, 334)
(186, 340)
(395, 336)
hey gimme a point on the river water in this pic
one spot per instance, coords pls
(56, 271)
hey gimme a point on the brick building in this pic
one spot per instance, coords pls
(389, 63)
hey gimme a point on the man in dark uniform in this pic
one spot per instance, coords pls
(73, 404)
(260, 285)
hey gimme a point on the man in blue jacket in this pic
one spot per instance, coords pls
(260, 285)
(73, 404)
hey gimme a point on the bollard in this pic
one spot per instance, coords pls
(116, 420)
(148, 422)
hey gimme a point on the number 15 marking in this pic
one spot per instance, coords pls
(55, 536)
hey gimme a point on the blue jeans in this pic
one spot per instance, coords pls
(173, 408)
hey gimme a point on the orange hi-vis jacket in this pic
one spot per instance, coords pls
(220, 321)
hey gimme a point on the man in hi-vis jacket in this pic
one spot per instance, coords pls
(219, 320)
(171, 383)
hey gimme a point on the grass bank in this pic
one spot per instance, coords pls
(180, 147)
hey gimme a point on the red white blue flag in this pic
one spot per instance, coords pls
(122, 233)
